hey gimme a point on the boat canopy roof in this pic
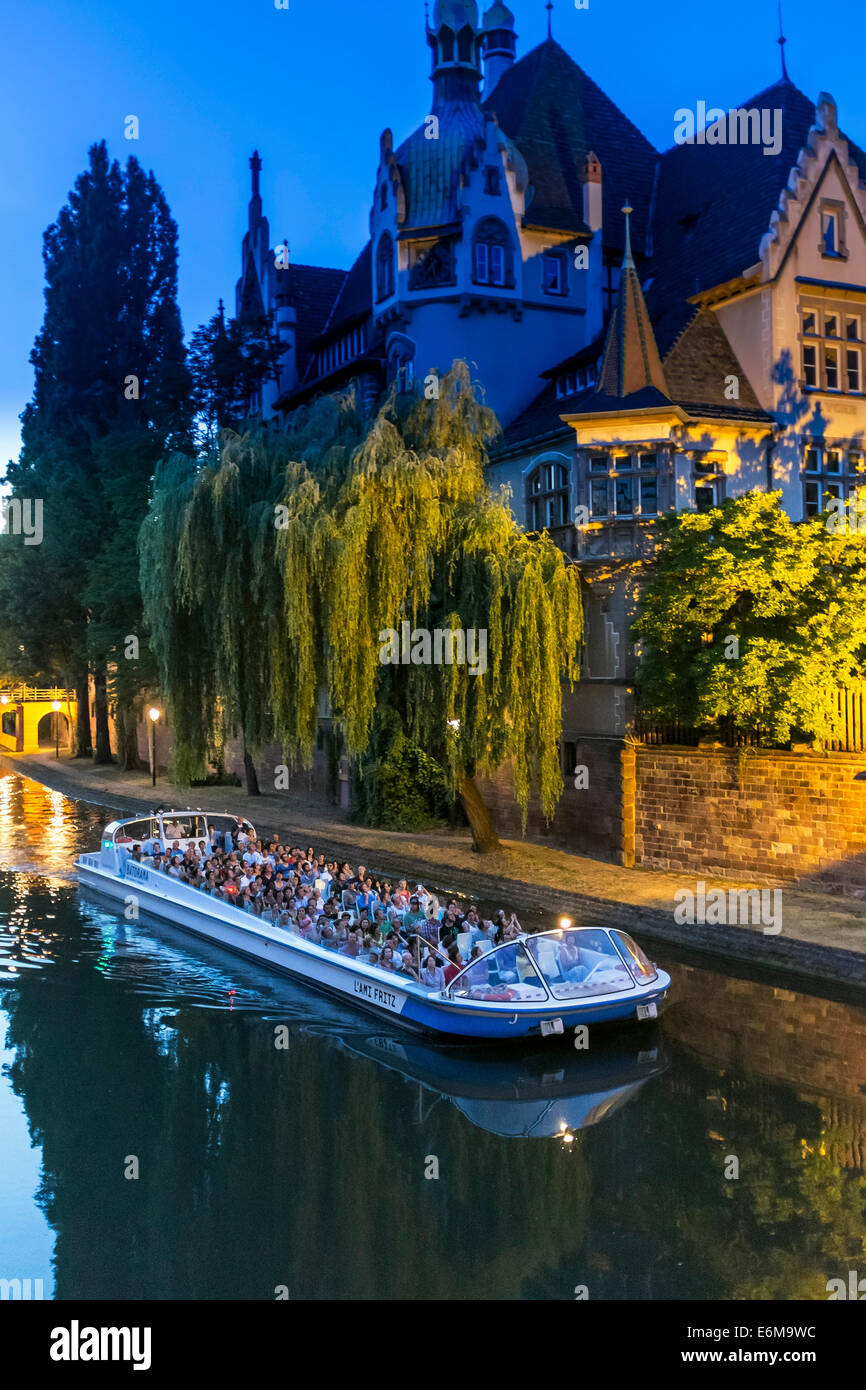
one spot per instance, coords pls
(190, 824)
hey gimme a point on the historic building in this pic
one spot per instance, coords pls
(656, 331)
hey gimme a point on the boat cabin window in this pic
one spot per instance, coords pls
(638, 963)
(135, 831)
(579, 963)
(503, 975)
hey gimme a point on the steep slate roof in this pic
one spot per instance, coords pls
(556, 115)
(692, 375)
(540, 418)
(313, 290)
(713, 205)
(696, 368)
(355, 299)
(432, 169)
(631, 376)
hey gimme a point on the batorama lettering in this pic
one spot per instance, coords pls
(375, 994)
(133, 870)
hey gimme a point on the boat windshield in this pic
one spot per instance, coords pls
(638, 963)
(504, 975)
(579, 962)
(136, 832)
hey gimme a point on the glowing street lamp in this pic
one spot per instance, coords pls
(55, 705)
(153, 714)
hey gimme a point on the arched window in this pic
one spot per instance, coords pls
(547, 496)
(401, 361)
(384, 268)
(492, 254)
(446, 40)
(464, 44)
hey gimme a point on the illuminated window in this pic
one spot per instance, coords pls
(828, 473)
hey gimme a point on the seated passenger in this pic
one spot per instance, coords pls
(432, 975)
(485, 932)
(454, 966)
(386, 959)
(407, 967)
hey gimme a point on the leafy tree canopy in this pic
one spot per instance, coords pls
(329, 535)
(752, 618)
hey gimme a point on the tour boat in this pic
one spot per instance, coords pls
(542, 984)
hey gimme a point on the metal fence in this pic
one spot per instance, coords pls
(849, 708)
(26, 694)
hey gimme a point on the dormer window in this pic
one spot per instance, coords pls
(829, 233)
(491, 180)
(383, 197)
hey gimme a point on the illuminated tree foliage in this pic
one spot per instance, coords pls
(292, 553)
(753, 619)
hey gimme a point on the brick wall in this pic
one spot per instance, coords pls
(587, 821)
(766, 814)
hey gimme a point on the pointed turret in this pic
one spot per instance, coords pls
(631, 361)
(255, 193)
(498, 43)
(253, 291)
(456, 49)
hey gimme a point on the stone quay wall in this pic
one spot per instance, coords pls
(750, 812)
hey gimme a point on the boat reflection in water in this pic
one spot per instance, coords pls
(539, 1090)
(542, 1093)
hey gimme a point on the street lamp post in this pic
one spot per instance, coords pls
(154, 717)
(55, 705)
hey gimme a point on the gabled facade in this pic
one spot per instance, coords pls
(739, 367)
(656, 332)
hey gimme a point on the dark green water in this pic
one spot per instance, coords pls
(303, 1169)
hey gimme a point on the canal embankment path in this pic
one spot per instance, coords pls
(823, 935)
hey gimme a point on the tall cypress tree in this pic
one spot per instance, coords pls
(111, 395)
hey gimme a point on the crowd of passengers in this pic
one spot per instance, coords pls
(354, 913)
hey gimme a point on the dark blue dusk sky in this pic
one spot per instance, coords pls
(313, 86)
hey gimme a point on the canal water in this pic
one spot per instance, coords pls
(176, 1124)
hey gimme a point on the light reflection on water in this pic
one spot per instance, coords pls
(133, 1037)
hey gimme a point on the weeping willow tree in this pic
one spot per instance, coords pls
(299, 557)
